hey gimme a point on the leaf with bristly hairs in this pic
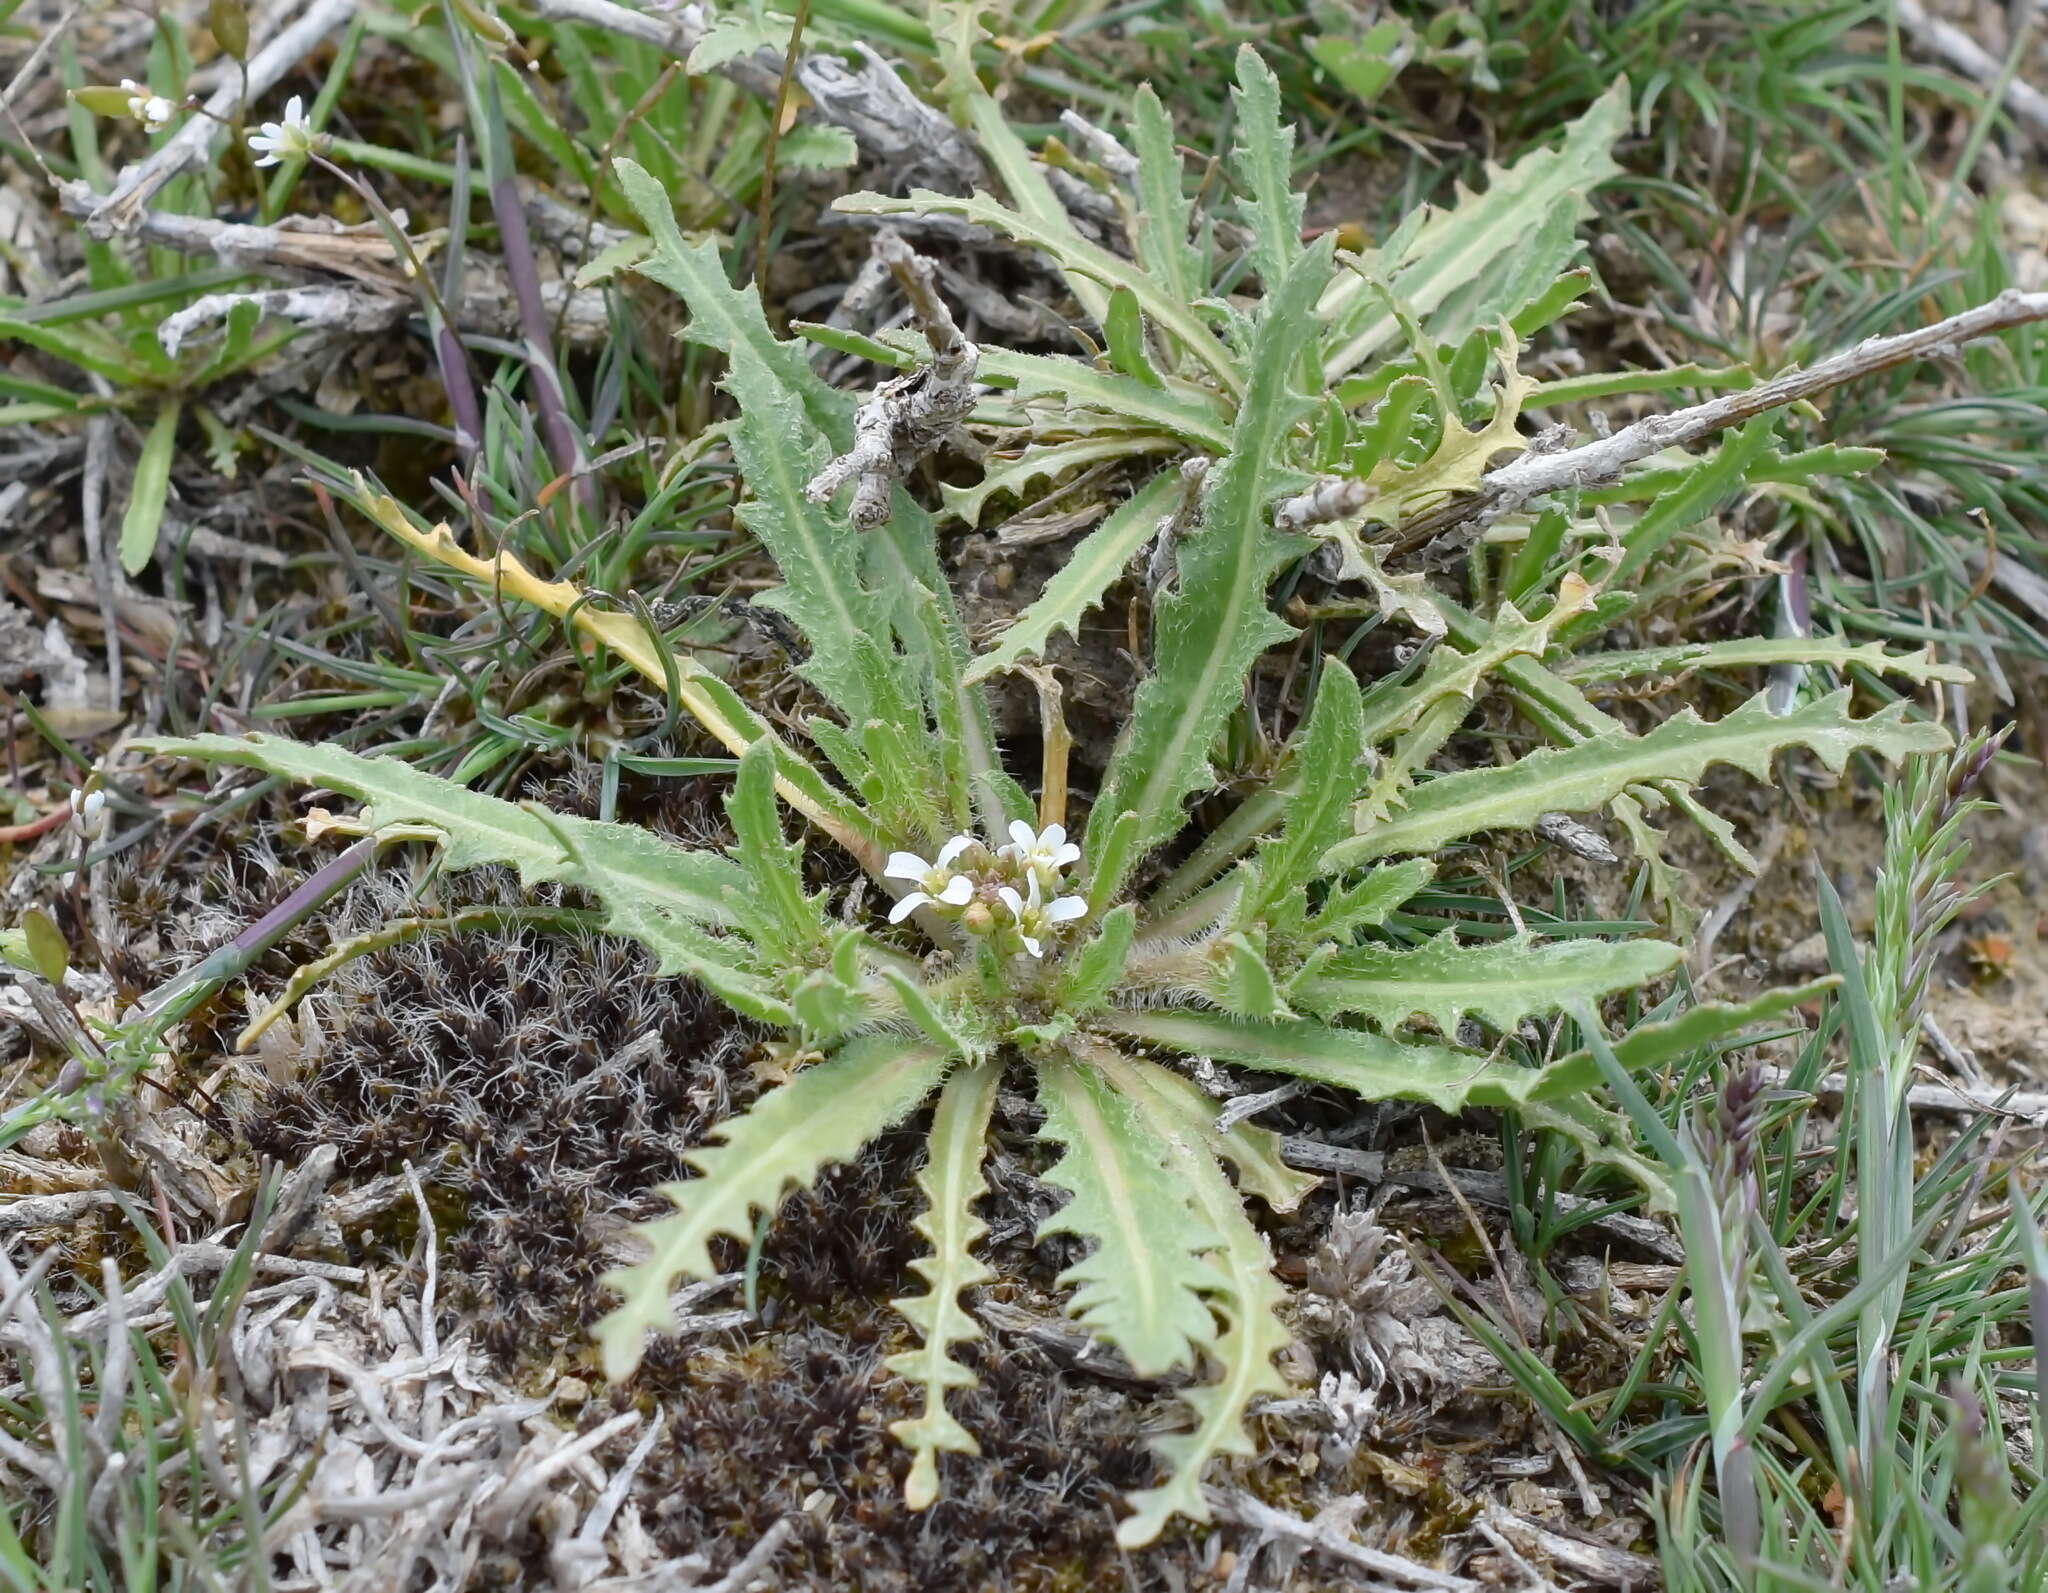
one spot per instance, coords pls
(1578, 778)
(1139, 1288)
(1212, 628)
(825, 1114)
(1242, 1290)
(1502, 981)
(951, 1181)
(790, 424)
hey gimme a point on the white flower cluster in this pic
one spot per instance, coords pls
(969, 881)
(89, 813)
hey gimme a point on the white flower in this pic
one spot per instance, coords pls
(936, 882)
(292, 137)
(151, 110)
(89, 813)
(1036, 916)
(1044, 852)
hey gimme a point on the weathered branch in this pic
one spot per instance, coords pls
(1967, 56)
(1533, 475)
(904, 419)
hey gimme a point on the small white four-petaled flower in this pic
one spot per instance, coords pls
(936, 882)
(1035, 915)
(1044, 852)
(89, 813)
(292, 137)
(151, 110)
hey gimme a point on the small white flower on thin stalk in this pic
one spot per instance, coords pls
(1044, 852)
(292, 137)
(153, 111)
(936, 881)
(89, 813)
(1036, 917)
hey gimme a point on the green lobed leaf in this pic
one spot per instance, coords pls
(1501, 981)
(1243, 1290)
(825, 1114)
(790, 424)
(1262, 161)
(951, 1181)
(1365, 903)
(1441, 253)
(1165, 217)
(1327, 763)
(1041, 462)
(1090, 972)
(781, 918)
(1077, 586)
(1578, 778)
(1140, 1287)
(652, 889)
(1747, 652)
(1367, 1064)
(1211, 629)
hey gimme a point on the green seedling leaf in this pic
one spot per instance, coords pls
(1364, 66)
(1330, 750)
(1366, 903)
(44, 943)
(784, 922)
(951, 1182)
(1579, 778)
(1124, 332)
(1091, 971)
(825, 1114)
(144, 515)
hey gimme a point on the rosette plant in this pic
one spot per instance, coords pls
(988, 945)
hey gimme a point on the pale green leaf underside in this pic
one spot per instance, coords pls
(1502, 982)
(825, 1114)
(653, 890)
(1579, 778)
(951, 1182)
(1139, 1286)
(1078, 585)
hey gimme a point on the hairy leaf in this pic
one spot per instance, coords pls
(1503, 981)
(1262, 161)
(951, 1181)
(1328, 770)
(1243, 1290)
(1090, 972)
(1140, 1287)
(652, 889)
(1365, 903)
(790, 424)
(1078, 585)
(1450, 249)
(1211, 629)
(1369, 1065)
(1042, 462)
(824, 1114)
(1577, 778)
(783, 921)
(1752, 651)
(1165, 218)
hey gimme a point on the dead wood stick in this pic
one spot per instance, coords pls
(1532, 475)
(1967, 56)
